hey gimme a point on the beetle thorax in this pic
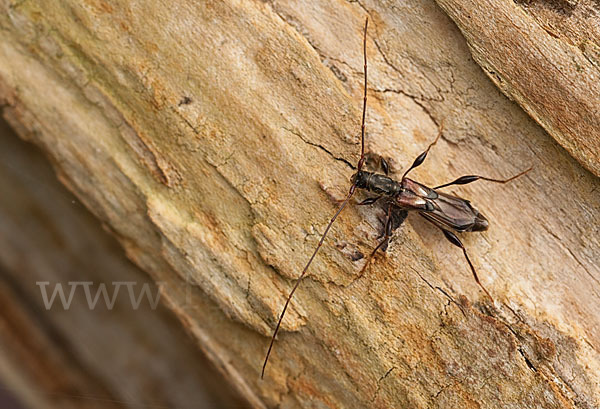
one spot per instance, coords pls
(376, 183)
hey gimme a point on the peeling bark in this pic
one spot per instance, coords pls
(546, 56)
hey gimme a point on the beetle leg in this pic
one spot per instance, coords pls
(463, 180)
(421, 158)
(398, 217)
(452, 238)
(388, 228)
(369, 201)
(385, 166)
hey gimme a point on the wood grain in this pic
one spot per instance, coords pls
(545, 55)
(213, 139)
(123, 353)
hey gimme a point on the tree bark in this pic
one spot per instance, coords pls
(130, 352)
(213, 139)
(546, 56)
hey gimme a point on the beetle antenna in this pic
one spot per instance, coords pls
(364, 110)
(287, 302)
(344, 203)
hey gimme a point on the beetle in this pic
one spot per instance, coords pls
(449, 213)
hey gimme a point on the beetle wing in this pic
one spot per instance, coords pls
(410, 201)
(415, 196)
(446, 211)
(452, 212)
(419, 189)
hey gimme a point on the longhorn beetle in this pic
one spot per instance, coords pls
(446, 212)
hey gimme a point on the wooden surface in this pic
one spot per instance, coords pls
(213, 139)
(126, 356)
(546, 56)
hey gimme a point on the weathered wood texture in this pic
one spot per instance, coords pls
(546, 56)
(125, 356)
(213, 139)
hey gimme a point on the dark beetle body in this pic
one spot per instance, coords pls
(444, 210)
(377, 183)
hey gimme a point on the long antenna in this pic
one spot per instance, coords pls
(364, 111)
(344, 203)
